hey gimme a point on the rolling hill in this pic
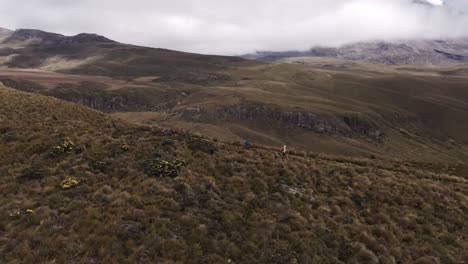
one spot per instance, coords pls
(79, 186)
(93, 54)
(324, 105)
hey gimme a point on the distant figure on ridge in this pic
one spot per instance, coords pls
(248, 144)
(284, 151)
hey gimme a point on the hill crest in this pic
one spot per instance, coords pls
(56, 39)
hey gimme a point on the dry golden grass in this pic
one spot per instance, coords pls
(51, 79)
(230, 206)
(419, 110)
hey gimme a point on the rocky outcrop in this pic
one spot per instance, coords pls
(349, 125)
(98, 95)
(120, 100)
(86, 38)
(364, 126)
(312, 121)
(192, 113)
(105, 103)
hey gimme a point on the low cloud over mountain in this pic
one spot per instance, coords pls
(237, 27)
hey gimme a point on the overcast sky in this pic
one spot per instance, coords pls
(239, 26)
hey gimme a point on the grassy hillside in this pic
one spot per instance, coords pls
(320, 104)
(92, 54)
(332, 106)
(78, 186)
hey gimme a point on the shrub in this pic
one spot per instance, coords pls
(168, 142)
(35, 172)
(365, 256)
(119, 148)
(124, 147)
(163, 168)
(67, 146)
(9, 138)
(203, 146)
(128, 230)
(69, 183)
(79, 149)
(345, 251)
(97, 166)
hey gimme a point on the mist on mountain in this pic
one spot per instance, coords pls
(239, 27)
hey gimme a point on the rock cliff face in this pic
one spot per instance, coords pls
(121, 100)
(97, 95)
(104, 103)
(349, 125)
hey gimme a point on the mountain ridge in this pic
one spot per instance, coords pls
(5, 31)
(92, 54)
(450, 51)
(54, 38)
(402, 52)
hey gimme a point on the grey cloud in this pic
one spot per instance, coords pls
(241, 26)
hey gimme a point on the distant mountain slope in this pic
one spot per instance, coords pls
(4, 31)
(46, 38)
(96, 55)
(334, 107)
(414, 52)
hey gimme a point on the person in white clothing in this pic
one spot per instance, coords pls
(284, 151)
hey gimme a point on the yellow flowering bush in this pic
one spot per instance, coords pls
(69, 183)
(125, 147)
(67, 146)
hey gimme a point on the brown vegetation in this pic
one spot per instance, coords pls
(358, 110)
(232, 205)
(324, 105)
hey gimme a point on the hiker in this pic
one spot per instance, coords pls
(248, 144)
(284, 151)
